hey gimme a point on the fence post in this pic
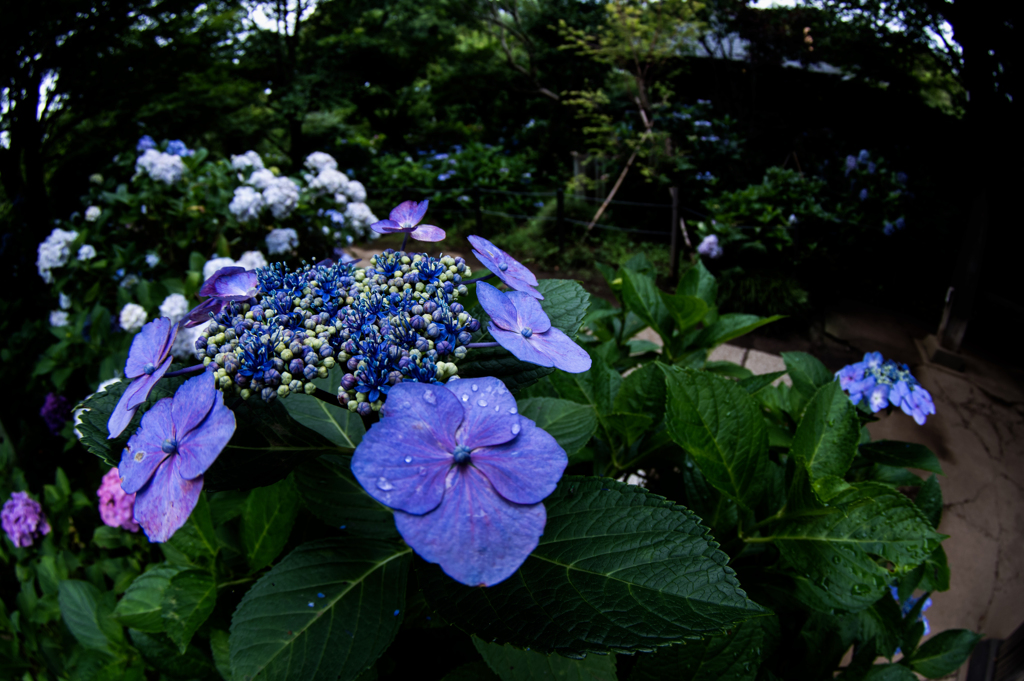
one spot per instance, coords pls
(560, 223)
(479, 210)
(674, 235)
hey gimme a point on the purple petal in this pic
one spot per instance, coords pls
(201, 313)
(439, 411)
(515, 275)
(166, 503)
(525, 470)
(144, 450)
(529, 312)
(477, 537)
(400, 464)
(199, 448)
(387, 227)
(489, 411)
(149, 346)
(498, 307)
(525, 350)
(122, 414)
(409, 213)
(192, 402)
(427, 233)
(145, 384)
(567, 355)
(231, 283)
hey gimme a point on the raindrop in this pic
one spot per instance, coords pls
(496, 409)
(408, 459)
(383, 484)
(430, 397)
(482, 403)
(513, 410)
(320, 595)
(502, 390)
(475, 387)
(465, 398)
(516, 428)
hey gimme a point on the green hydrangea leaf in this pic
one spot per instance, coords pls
(570, 423)
(733, 657)
(513, 664)
(328, 489)
(267, 521)
(826, 439)
(187, 602)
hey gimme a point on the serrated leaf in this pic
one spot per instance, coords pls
(142, 603)
(195, 542)
(341, 426)
(722, 428)
(889, 672)
(87, 614)
(284, 628)
(164, 656)
(188, 601)
(220, 646)
(760, 381)
(731, 326)
(570, 423)
(597, 387)
(565, 302)
(643, 392)
(806, 371)
(830, 549)
(903, 454)
(935, 572)
(735, 657)
(882, 623)
(513, 664)
(267, 521)
(641, 295)
(329, 490)
(686, 311)
(617, 570)
(929, 500)
(826, 439)
(944, 653)
(700, 283)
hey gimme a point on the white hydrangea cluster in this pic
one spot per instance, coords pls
(250, 260)
(359, 217)
(247, 204)
(86, 252)
(319, 160)
(65, 301)
(167, 168)
(329, 181)
(92, 213)
(282, 196)
(58, 318)
(356, 191)
(152, 259)
(54, 252)
(249, 159)
(262, 178)
(133, 317)
(174, 307)
(282, 240)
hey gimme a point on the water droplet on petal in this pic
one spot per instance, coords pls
(384, 484)
(513, 410)
(496, 409)
(475, 387)
(482, 403)
(408, 459)
(516, 428)
(465, 398)
(430, 397)
(502, 389)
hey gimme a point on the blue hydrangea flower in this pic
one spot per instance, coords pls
(520, 325)
(164, 461)
(465, 474)
(905, 608)
(505, 267)
(863, 156)
(148, 360)
(888, 228)
(178, 148)
(145, 143)
(885, 383)
(405, 218)
(863, 196)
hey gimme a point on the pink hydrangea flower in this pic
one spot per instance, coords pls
(116, 507)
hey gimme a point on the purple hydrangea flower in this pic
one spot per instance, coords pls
(851, 164)
(863, 196)
(505, 267)
(885, 383)
(225, 285)
(520, 325)
(709, 247)
(405, 218)
(55, 412)
(23, 520)
(116, 508)
(148, 360)
(164, 461)
(465, 473)
(145, 143)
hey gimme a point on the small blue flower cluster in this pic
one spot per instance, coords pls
(397, 319)
(884, 383)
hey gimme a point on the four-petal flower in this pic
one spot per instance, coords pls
(520, 325)
(405, 219)
(465, 473)
(148, 360)
(164, 461)
(505, 267)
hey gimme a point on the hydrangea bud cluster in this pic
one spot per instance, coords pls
(398, 319)
(23, 520)
(115, 506)
(885, 382)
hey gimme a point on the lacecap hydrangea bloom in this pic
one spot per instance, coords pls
(23, 520)
(133, 317)
(164, 461)
(709, 247)
(54, 252)
(883, 383)
(115, 506)
(464, 473)
(405, 219)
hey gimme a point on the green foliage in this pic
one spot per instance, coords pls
(513, 664)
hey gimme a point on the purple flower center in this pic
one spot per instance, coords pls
(170, 446)
(527, 332)
(461, 454)
(503, 266)
(149, 368)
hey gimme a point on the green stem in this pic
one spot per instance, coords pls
(758, 540)
(244, 580)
